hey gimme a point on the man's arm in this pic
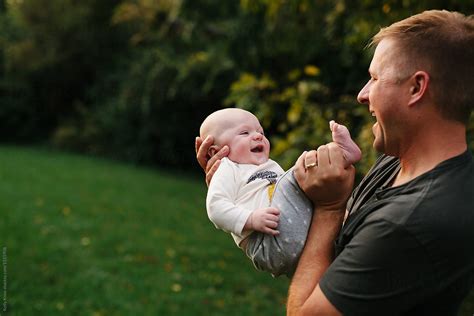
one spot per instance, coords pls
(328, 186)
(305, 296)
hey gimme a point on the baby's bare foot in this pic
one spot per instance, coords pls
(342, 137)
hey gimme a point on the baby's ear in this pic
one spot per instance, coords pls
(213, 150)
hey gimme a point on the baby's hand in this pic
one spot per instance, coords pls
(265, 220)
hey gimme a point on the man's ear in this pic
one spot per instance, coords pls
(213, 150)
(419, 85)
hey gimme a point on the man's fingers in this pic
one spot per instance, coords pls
(299, 169)
(211, 171)
(299, 165)
(202, 148)
(323, 156)
(197, 147)
(223, 152)
(197, 144)
(336, 155)
(310, 160)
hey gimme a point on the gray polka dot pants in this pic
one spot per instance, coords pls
(280, 254)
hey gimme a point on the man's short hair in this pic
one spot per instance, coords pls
(442, 44)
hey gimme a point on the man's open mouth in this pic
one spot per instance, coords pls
(257, 149)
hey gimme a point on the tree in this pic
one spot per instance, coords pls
(133, 79)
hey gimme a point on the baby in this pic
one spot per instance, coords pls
(252, 198)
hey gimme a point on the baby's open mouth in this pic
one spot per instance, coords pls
(257, 149)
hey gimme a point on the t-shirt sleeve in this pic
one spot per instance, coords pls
(381, 271)
(220, 201)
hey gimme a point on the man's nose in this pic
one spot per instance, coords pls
(363, 96)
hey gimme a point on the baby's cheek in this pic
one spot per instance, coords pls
(235, 155)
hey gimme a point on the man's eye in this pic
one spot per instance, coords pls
(244, 133)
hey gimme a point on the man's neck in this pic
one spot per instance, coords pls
(430, 149)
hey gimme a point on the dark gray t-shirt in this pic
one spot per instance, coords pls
(406, 250)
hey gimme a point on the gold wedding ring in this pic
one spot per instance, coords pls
(311, 165)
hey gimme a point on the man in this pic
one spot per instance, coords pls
(406, 246)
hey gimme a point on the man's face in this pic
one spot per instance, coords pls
(246, 140)
(386, 96)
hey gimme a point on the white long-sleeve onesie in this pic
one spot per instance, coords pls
(235, 191)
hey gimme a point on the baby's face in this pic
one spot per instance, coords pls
(246, 140)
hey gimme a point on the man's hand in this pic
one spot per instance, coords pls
(264, 220)
(323, 178)
(207, 163)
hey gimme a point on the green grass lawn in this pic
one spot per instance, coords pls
(95, 237)
(87, 236)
